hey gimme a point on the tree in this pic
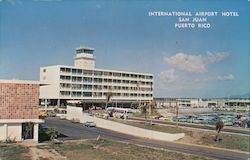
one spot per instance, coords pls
(144, 111)
(135, 105)
(218, 126)
(52, 133)
(149, 108)
(109, 95)
(152, 108)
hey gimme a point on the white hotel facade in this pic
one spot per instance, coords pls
(85, 82)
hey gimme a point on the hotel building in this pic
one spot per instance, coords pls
(85, 82)
(19, 102)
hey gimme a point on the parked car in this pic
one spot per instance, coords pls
(226, 120)
(213, 121)
(163, 118)
(227, 123)
(63, 116)
(75, 120)
(245, 123)
(157, 117)
(51, 114)
(184, 119)
(200, 120)
(90, 124)
(106, 116)
(43, 114)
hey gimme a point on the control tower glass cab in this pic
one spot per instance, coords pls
(84, 58)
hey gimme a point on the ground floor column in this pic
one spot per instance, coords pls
(46, 104)
(5, 131)
(36, 132)
(58, 103)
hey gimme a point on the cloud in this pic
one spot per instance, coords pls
(185, 62)
(194, 63)
(168, 76)
(229, 77)
(212, 58)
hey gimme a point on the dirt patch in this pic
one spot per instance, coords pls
(50, 154)
(41, 152)
(193, 137)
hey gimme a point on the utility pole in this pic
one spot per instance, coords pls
(177, 112)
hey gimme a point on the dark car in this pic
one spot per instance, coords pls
(245, 123)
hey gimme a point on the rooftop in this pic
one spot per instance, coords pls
(19, 81)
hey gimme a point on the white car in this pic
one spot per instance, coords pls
(163, 118)
(90, 124)
(63, 116)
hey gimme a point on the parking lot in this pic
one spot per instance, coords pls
(235, 120)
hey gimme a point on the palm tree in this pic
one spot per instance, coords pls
(109, 95)
(219, 126)
(135, 105)
(144, 111)
(152, 108)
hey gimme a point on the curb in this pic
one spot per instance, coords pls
(211, 147)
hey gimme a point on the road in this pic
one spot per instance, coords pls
(204, 127)
(78, 131)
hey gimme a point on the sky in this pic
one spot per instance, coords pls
(186, 62)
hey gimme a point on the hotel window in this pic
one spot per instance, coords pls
(73, 71)
(87, 79)
(117, 74)
(65, 78)
(76, 86)
(68, 70)
(62, 70)
(105, 73)
(97, 80)
(87, 94)
(87, 72)
(97, 73)
(79, 71)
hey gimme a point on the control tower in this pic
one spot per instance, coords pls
(84, 58)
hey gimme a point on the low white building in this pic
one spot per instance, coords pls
(201, 103)
(19, 102)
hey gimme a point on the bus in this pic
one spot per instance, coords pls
(123, 113)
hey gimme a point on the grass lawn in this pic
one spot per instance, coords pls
(168, 129)
(106, 150)
(13, 152)
(229, 141)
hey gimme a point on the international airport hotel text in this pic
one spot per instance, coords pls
(192, 19)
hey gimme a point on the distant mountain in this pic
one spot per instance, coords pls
(246, 95)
